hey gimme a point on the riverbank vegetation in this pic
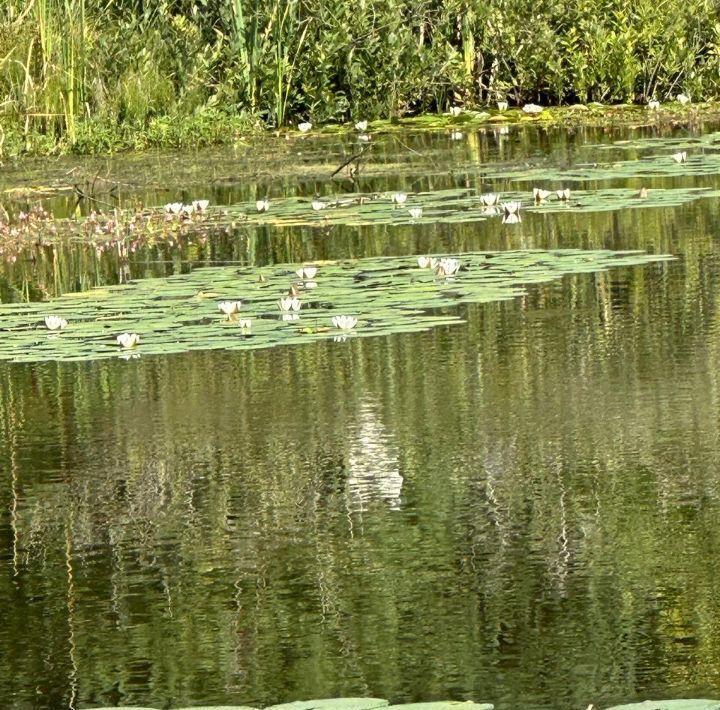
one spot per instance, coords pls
(91, 76)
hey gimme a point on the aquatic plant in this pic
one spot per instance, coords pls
(229, 307)
(307, 273)
(489, 199)
(305, 126)
(446, 267)
(415, 212)
(539, 194)
(128, 340)
(55, 322)
(533, 109)
(289, 303)
(344, 322)
(174, 314)
(262, 205)
(425, 262)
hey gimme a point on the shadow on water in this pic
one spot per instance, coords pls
(520, 509)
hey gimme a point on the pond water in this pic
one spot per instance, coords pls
(519, 509)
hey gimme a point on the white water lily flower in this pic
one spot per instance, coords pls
(680, 157)
(245, 323)
(304, 127)
(425, 262)
(513, 218)
(532, 108)
(364, 137)
(455, 111)
(174, 207)
(489, 199)
(398, 198)
(55, 322)
(307, 273)
(456, 136)
(128, 340)
(200, 205)
(653, 105)
(229, 307)
(262, 205)
(682, 99)
(344, 322)
(447, 267)
(502, 105)
(539, 194)
(415, 212)
(361, 126)
(289, 303)
(318, 204)
(188, 209)
(563, 194)
(511, 207)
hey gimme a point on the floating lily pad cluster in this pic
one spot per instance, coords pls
(181, 313)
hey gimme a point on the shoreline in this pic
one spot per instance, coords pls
(212, 128)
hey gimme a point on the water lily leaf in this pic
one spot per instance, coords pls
(690, 704)
(333, 704)
(386, 295)
(444, 705)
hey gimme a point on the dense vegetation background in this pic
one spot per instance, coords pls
(97, 74)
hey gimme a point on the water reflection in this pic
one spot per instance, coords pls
(520, 509)
(373, 463)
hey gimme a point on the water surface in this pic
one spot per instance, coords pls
(521, 509)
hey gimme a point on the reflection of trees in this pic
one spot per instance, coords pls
(373, 466)
(556, 537)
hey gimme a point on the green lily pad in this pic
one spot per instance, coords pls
(180, 313)
(333, 704)
(444, 705)
(690, 704)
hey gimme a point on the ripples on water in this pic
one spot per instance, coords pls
(521, 509)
